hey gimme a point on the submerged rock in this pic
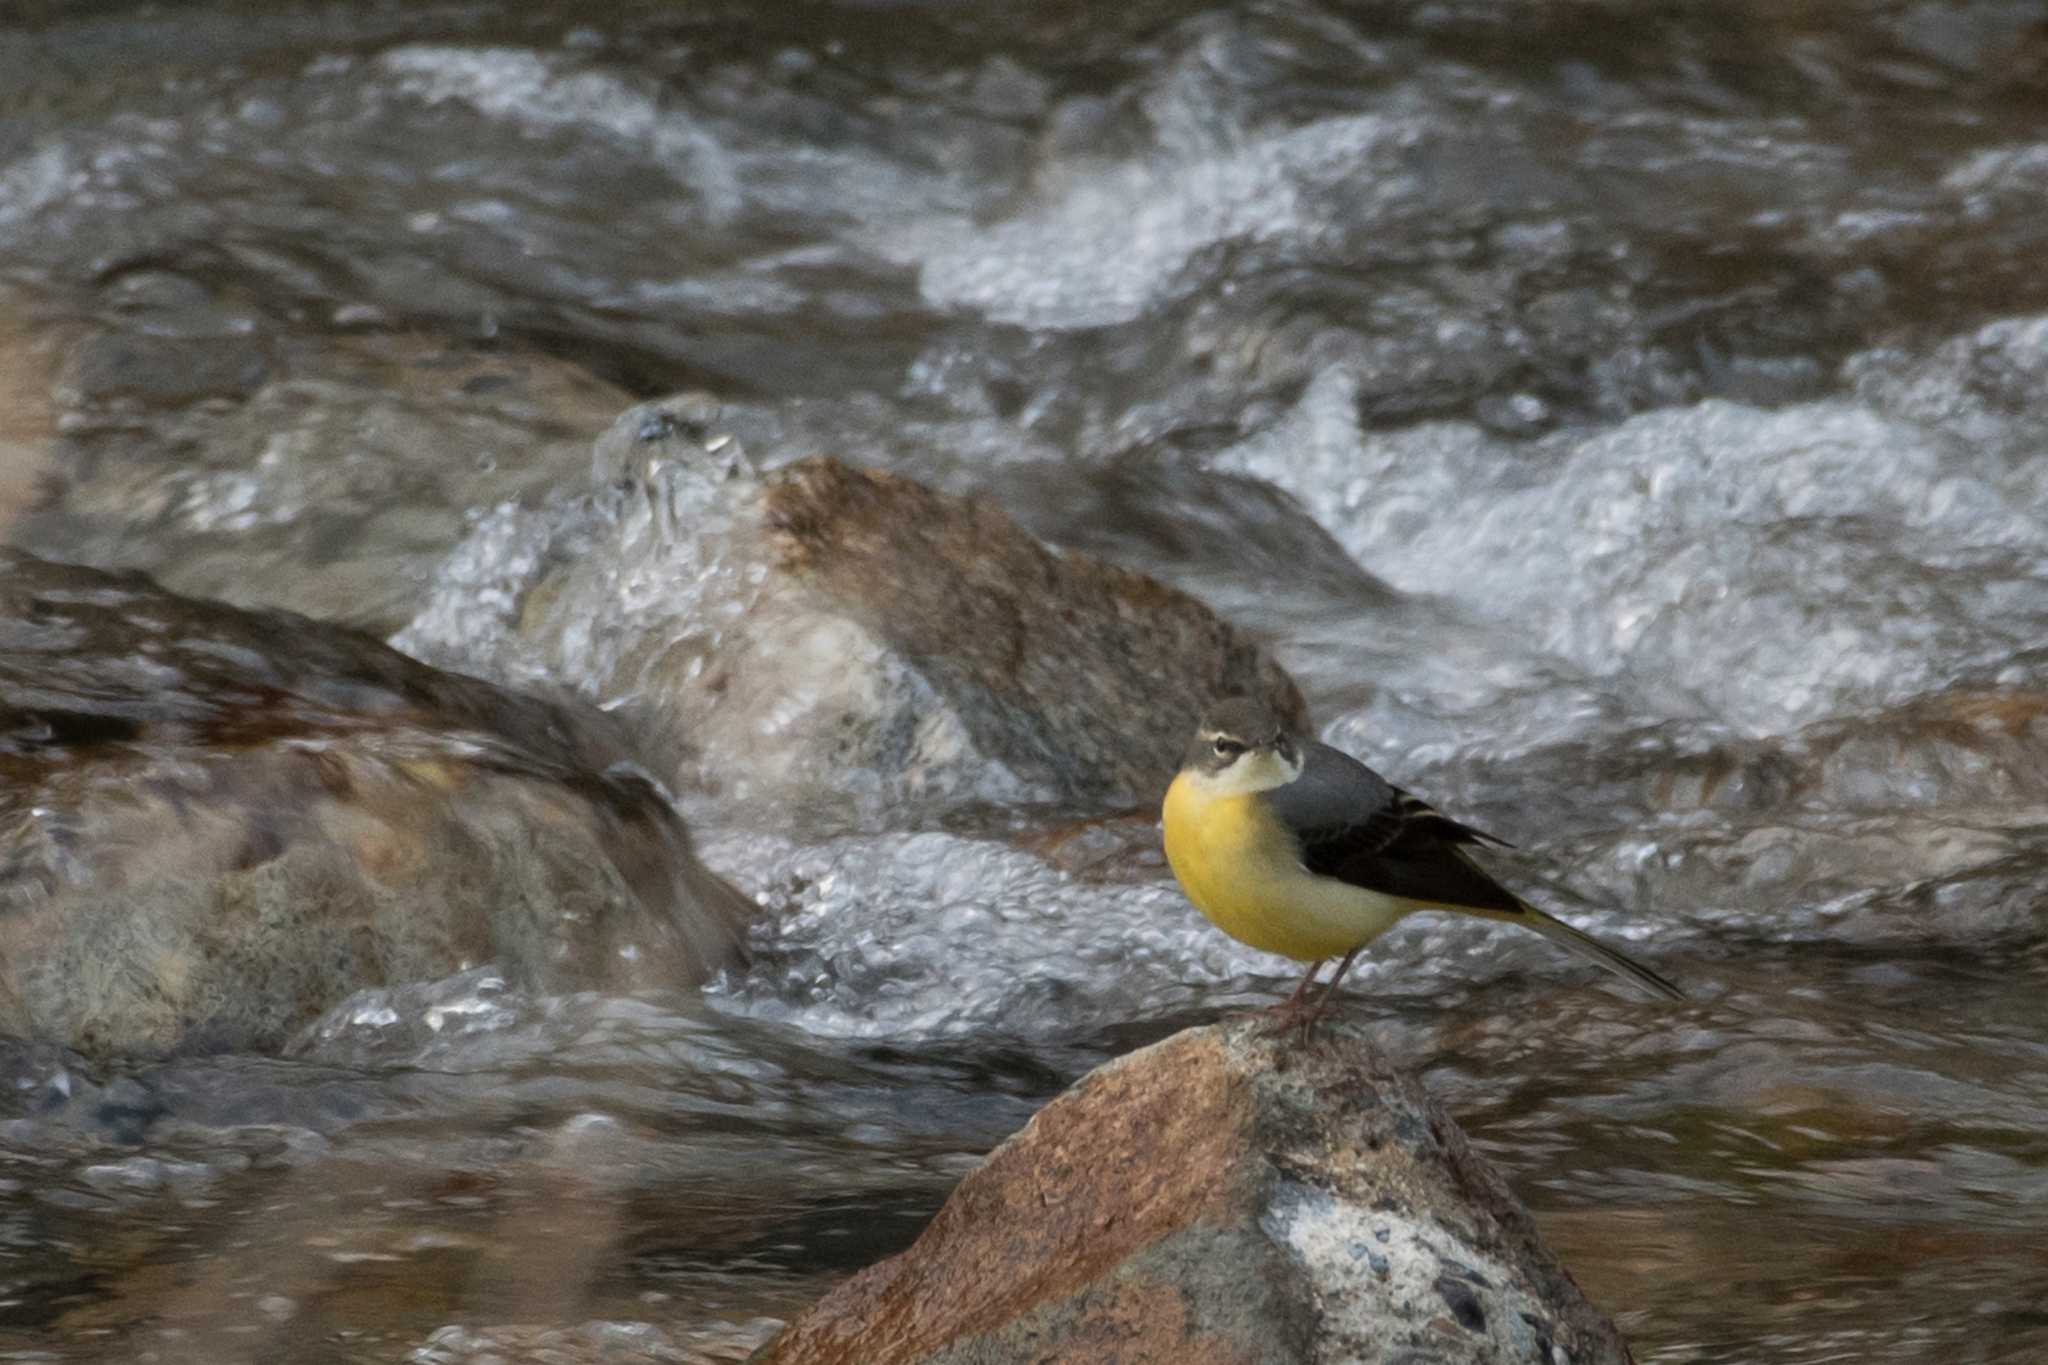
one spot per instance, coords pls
(1959, 745)
(821, 629)
(1221, 1198)
(1914, 826)
(216, 823)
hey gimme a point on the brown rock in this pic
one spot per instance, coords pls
(1120, 847)
(1220, 1198)
(214, 824)
(1050, 647)
(28, 422)
(821, 630)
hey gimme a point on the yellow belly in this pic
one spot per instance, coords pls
(1240, 869)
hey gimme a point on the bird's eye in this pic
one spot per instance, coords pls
(1228, 748)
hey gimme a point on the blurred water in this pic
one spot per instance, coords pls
(1628, 424)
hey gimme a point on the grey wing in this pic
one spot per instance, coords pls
(1358, 827)
(1335, 791)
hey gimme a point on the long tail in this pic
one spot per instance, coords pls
(1585, 945)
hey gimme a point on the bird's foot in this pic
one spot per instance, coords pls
(1289, 1017)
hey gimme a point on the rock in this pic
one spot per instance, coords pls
(821, 630)
(1964, 744)
(1911, 827)
(1220, 1198)
(326, 474)
(27, 420)
(215, 823)
(1123, 847)
(123, 368)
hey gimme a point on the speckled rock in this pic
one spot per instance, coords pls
(1220, 1199)
(821, 629)
(216, 823)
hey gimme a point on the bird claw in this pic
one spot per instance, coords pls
(1289, 1016)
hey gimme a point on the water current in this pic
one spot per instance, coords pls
(1629, 423)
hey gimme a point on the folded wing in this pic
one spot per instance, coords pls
(1359, 828)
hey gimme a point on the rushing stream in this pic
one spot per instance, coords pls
(1628, 422)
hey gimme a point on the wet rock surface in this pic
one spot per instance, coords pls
(200, 443)
(1220, 1197)
(28, 360)
(215, 823)
(1600, 411)
(825, 628)
(1962, 745)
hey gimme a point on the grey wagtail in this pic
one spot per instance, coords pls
(1299, 849)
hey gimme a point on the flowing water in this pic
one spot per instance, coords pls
(1630, 423)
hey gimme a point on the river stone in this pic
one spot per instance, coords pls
(1221, 1197)
(1965, 744)
(216, 823)
(325, 474)
(826, 631)
(28, 421)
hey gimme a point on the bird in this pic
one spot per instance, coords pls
(1297, 848)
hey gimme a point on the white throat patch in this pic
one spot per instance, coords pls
(1258, 770)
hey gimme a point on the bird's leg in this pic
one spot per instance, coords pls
(1285, 1015)
(1323, 1000)
(1293, 1001)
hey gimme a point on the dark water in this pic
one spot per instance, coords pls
(1627, 421)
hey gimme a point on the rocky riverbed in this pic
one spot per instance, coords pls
(1622, 426)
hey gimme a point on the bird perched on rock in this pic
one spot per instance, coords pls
(1299, 849)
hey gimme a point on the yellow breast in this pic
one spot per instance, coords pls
(1241, 869)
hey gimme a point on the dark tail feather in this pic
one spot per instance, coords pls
(1585, 945)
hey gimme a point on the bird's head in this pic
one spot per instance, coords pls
(1242, 745)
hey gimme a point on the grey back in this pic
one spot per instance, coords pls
(1334, 792)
